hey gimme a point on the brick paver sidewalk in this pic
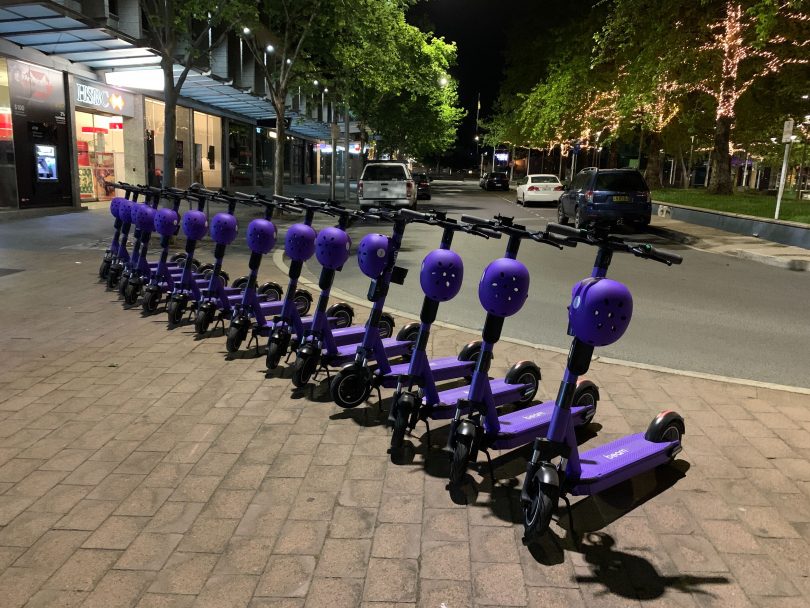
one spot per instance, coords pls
(139, 467)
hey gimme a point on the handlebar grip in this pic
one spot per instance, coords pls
(666, 256)
(566, 231)
(487, 232)
(475, 221)
(416, 215)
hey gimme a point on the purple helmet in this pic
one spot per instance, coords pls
(124, 209)
(372, 254)
(441, 275)
(299, 243)
(223, 228)
(261, 236)
(600, 311)
(194, 224)
(504, 287)
(115, 203)
(166, 221)
(144, 217)
(332, 247)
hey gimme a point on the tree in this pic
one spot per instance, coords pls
(183, 32)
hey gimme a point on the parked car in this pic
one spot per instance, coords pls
(422, 186)
(386, 184)
(612, 196)
(494, 180)
(539, 188)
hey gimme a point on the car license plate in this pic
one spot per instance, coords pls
(621, 199)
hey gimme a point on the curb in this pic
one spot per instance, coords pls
(278, 260)
(701, 244)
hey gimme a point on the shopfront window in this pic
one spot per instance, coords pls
(208, 150)
(240, 155)
(181, 151)
(265, 157)
(8, 174)
(100, 144)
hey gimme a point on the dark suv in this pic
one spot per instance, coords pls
(493, 180)
(610, 196)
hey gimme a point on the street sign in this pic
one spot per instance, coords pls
(787, 132)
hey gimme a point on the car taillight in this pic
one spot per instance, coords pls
(647, 197)
(558, 188)
(408, 188)
(589, 196)
(532, 188)
(423, 183)
(360, 188)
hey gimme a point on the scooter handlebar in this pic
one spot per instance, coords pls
(644, 250)
(568, 232)
(476, 221)
(488, 233)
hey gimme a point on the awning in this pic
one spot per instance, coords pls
(52, 33)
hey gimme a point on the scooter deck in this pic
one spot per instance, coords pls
(620, 460)
(393, 348)
(502, 393)
(522, 426)
(443, 369)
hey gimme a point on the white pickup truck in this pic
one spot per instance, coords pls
(388, 184)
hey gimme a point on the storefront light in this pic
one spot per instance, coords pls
(149, 79)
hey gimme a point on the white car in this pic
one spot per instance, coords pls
(539, 188)
(386, 185)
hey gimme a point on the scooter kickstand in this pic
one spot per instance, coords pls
(571, 520)
(491, 468)
(427, 426)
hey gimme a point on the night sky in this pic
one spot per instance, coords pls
(479, 28)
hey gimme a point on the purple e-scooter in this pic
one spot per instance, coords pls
(119, 255)
(113, 252)
(599, 314)
(502, 291)
(276, 319)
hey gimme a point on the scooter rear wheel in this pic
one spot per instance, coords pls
(537, 512)
(175, 310)
(527, 373)
(274, 354)
(343, 314)
(303, 301)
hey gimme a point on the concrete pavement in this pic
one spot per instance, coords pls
(140, 467)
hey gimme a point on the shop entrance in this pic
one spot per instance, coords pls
(100, 145)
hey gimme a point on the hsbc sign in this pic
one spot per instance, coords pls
(98, 97)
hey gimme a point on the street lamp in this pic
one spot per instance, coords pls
(246, 31)
(443, 81)
(269, 48)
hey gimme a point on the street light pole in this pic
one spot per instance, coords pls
(691, 147)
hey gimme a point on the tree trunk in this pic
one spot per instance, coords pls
(684, 171)
(169, 125)
(720, 179)
(281, 141)
(653, 171)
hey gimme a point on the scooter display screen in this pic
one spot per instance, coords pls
(46, 163)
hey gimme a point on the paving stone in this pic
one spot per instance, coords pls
(498, 584)
(352, 522)
(765, 521)
(287, 576)
(343, 558)
(360, 493)
(164, 600)
(334, 592)
(445, 560)
(144, 501)
(401, 508)
(313, 505)
(731, 537)
(60, 499)
(391, 580)
(83, 570)
(397, 540)
(119, 589)
(116, 533)
(19, 584)
(451, 594)
(51, 550)
(445, 524)
(757, 576)
(692, 554)
(27, 528)
(148, 551)
(184, 573)
(227, 591)
(56, 598)
(245, 555)
(301, 537)
(208, 535)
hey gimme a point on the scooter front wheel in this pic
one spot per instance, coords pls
(175, 310)
(274, 354)
(460, 462)
(400, 428)
(350, 387)
(104, 269)
(303, 369)
(151, 300)
(204, 318)
(131, 293)
(538, 510)
(233, 339)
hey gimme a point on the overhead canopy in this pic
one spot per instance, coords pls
(52, 30)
